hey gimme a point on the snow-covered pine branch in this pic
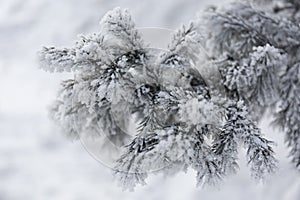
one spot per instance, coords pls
(257, 52)
(99, 62)
(177, 113)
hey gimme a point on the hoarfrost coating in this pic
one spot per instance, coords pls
(179, 115)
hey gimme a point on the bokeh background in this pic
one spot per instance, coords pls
(37, 162)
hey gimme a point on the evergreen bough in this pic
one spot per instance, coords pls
(184, 119)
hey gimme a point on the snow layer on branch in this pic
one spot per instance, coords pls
(241, 27)
(260, 154)
(84, 106)
(118, 23)
(187, 43)
(200, 112)
(250, 54)
(57, 60)
(267, 63)
(167, 150)
(116, 37)
(256, 49)
(240, 129)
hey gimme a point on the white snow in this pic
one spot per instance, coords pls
(36, 162)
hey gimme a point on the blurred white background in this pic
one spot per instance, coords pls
(37, 162)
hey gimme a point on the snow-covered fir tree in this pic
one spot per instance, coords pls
(183, 118)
